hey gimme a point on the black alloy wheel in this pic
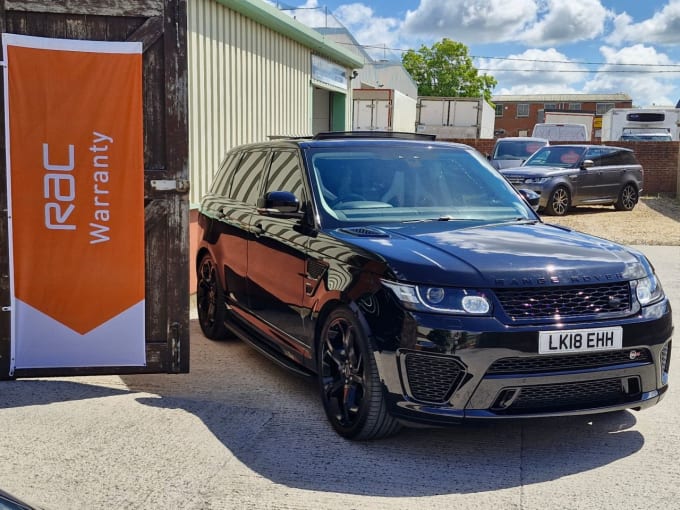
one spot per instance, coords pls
(351, 391)
(628, 197)
(559, 202)
(210, 301)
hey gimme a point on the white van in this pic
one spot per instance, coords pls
(561, 132)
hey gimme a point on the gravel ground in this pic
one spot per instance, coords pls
(654, 221)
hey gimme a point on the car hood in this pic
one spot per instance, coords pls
(526, 254)
(506, 163)
(537, 171)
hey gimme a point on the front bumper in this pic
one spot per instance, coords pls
(446, 370)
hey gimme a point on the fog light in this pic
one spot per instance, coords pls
(476, 304)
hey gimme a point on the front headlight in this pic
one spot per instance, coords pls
(426, 298)
(536, 180)
(648, 290)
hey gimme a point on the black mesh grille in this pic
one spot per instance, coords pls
(569, 396)
(568, 362)
(432, 378)
(541, 302)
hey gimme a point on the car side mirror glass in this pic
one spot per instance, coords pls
(279, 203)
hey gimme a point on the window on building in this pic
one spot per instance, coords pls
(523, 110)
(602, 108)
(550, 106)
(575, 106)
(499, 110)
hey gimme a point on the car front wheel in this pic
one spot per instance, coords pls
(210, 301)
(628, 197)
(351, 391)
(559, 202)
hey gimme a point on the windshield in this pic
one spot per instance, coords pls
(516, 149)
(361, 185)
(559, 156)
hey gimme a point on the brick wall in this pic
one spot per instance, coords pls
(660, 160)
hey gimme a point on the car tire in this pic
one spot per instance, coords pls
(210, 300)
(628, 197)
(351, 391)
(559, 202)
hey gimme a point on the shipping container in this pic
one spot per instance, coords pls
(455, 117)
(383, 110)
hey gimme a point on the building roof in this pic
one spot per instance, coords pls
(271, 17)
(560, 98)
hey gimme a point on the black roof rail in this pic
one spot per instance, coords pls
(330, 135)
(289, 137)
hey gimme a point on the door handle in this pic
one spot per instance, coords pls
(258, 229)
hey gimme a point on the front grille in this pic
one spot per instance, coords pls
(542, 364)
(432, 378)
(569, 396)
(541, 302)
(516, 180)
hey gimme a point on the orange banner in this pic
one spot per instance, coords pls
(76, 174)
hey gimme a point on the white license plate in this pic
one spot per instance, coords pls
(580, 340)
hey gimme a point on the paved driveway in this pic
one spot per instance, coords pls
(238, 432)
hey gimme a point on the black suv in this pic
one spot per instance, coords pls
(569, 175)
(420, 287)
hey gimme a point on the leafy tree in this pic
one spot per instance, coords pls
(446, 70)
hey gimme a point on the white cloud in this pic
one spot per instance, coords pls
(535, 71)
(647, 88)
(471, 21)
(662, 28)
(567, 22)
(368, 28)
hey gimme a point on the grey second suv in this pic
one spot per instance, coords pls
(569, 175)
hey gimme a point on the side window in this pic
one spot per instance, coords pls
(225, 174)
(285, 173)
(596, 156)
(619, 157)
(247, 179)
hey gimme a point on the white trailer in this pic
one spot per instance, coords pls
(455, 117)
(383, 110)
(619, 123)
(586, 119)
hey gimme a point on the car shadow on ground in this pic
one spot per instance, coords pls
(272, 421)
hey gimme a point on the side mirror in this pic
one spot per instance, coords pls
(279, 203)
(531, 197)
(587, 163)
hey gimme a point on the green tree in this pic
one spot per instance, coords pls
(446, 70)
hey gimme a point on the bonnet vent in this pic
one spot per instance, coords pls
(364, 232)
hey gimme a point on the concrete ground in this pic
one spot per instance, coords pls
(238, 432)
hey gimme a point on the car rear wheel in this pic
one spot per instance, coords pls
(351, 392)
(559, 202)
(210, 301)
(628, 197)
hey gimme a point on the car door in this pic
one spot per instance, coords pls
(277, 253)
(234, 198)
(614, 168)
(589, 181)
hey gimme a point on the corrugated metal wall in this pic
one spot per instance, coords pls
(246, 82)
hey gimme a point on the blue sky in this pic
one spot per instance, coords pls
(585, 44)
